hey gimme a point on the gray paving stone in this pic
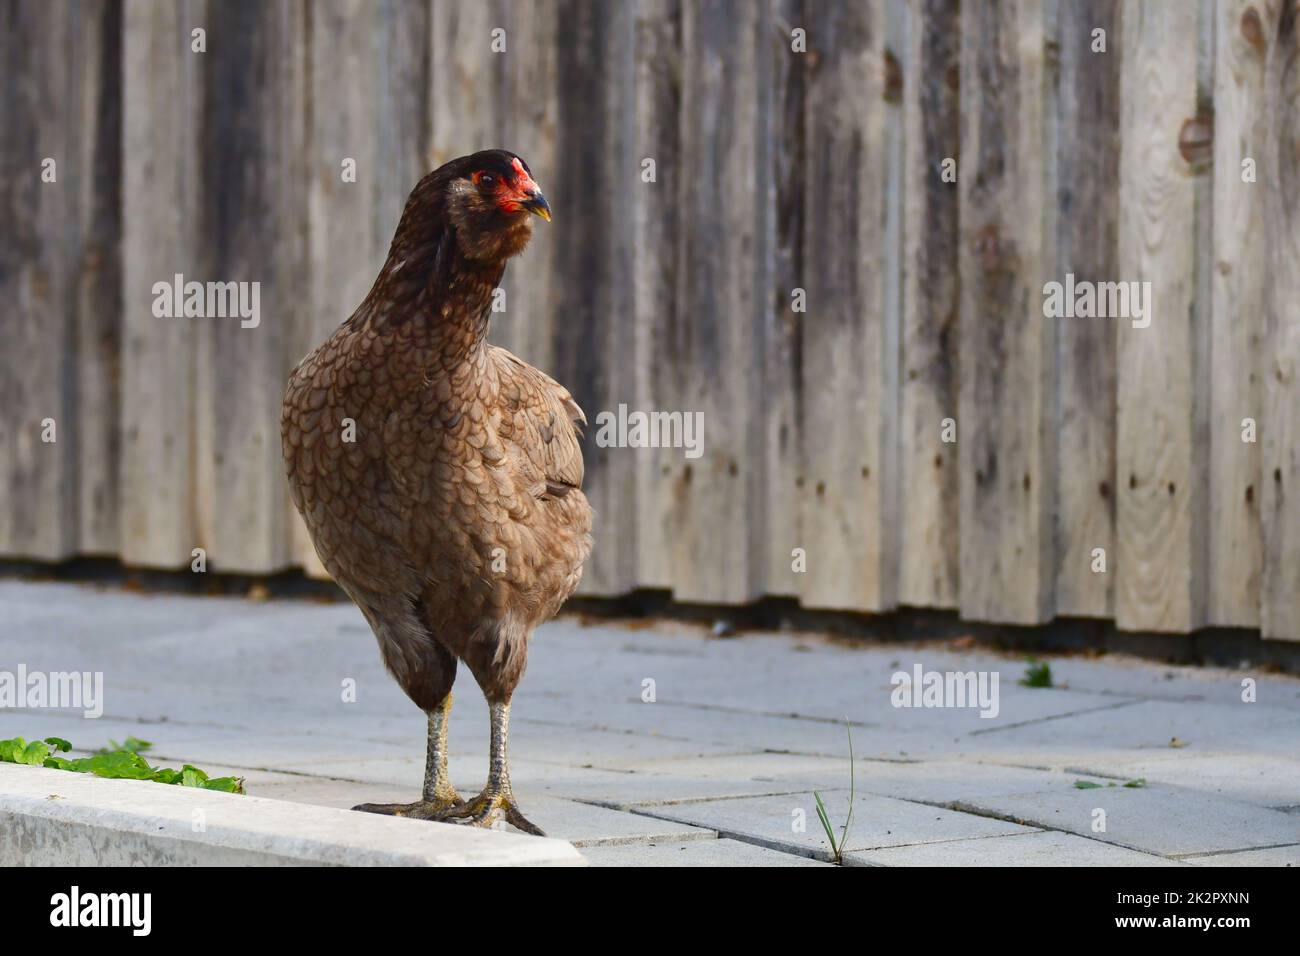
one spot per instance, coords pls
(694, 853)
(1150, 726)
(777, 680)
(1266, 780)
(752, 766)
(1039, 848)
(581, 824)
(602, 749)
(1131, 677)
(466, 772)
(652, 789)
(728, 730)
(571, 761)
(947, 781)
(234, 685)
(1156, 818)
(1272, 856)
(877, 821)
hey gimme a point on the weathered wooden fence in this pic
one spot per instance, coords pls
(800, 269)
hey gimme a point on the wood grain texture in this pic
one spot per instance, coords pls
(1280, 454)
(656, 221)
(249, 195)
(775, 170)
(930, 513)
(1160, 516)
(38, 284)
(162, 97)
(784, 197)
(1004, 438)
(846, 430)
(99, 276)
(403, 110)
(467, 80)
(58, 274)
(592, 236)
(1087, 220)
(718, 550)
(1239, 283)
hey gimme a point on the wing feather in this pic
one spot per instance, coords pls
(542, 424)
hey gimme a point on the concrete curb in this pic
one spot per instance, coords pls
(57, 818)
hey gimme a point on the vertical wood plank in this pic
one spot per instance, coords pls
(96, 379)
(847, 428)
(782, 326)
(1005, 446)
(657, 227)
(895, 35)
(250, 143)
(38, 284)
(1087, 219)
(716, 532)
(930, 512)
(344, 80)
(467, 79)
(162, 95)
(1239, 280)
(1160, 560)
(1280, 505)
(594, 180)
(403, 120)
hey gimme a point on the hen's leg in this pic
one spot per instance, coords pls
(439, 795)
(497, 798)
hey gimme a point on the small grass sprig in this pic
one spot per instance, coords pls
(1089, 785)
(1037, 674)
(115, 762)
(837, 846)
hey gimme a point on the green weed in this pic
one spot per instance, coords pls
(115, 762)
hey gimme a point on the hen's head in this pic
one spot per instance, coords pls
(488, 199)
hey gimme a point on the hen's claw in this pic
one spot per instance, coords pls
(485, 809)
(419, 810)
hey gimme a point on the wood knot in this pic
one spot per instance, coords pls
(1252, 28)
(1196, 140)
(893, 78)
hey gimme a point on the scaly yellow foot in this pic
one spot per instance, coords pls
(485, 809)
(419, 810)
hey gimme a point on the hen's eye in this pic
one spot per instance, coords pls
(486, 180)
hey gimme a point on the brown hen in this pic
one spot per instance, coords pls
(439, 476)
